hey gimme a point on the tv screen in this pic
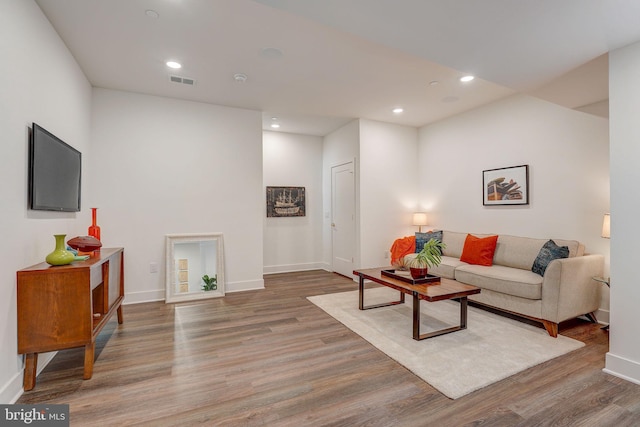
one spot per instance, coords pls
(54, 173)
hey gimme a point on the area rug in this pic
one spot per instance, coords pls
(492, 347)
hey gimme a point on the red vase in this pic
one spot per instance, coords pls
(418, 273)
(94, 229)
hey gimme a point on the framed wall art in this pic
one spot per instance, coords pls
(506, 186)
(285, 201)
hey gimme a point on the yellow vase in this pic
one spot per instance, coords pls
(60, 256)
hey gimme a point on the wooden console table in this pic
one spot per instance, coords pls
(67, 306)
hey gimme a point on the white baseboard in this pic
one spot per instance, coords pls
(247, 285)
(290, 268)
(602, 316)
(621, 367)
(143, 296)
(159, 294)
(12, 390)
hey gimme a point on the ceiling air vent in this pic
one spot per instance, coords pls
(183, 80)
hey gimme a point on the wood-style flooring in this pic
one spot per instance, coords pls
(271, 358)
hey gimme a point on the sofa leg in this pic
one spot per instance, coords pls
(592, 317)
(552, 328)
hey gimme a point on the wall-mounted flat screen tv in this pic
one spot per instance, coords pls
(55, 170)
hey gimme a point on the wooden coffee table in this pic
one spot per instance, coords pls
(444, 290)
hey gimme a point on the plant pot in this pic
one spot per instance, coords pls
(418, 273)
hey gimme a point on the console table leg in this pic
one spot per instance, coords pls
(89, 351)
(30, 368)
(120, 317)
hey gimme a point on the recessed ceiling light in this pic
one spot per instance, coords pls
(434, 83)
(240, 77)
(466, 78)
(397, 110)
(275, 125)
(274, 118)
(152, 13)
(174, 64)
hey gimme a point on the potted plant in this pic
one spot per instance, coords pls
(429, 256)
(210, 283)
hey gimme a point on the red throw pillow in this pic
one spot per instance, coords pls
(478, 250)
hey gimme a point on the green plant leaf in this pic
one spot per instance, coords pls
(430, 255)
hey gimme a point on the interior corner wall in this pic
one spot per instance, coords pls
(567, 152)
(623, 359)
(165, 166)
(42, 83)
(388, 188)
(293, 243)
(339, 147)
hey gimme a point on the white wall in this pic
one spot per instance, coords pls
(41, 83)
(388, 188)
(567, 153)
(163, 166)
(623, 359)
(293, 244)
(339, 147)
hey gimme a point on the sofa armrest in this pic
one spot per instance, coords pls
(568, 288)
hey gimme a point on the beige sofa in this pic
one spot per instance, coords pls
(567, 289)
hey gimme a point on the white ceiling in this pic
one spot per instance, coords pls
(345, 59)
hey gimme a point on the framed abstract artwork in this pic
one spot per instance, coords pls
(506, 186)
(285, 201)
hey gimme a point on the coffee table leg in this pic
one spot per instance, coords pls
(361, 305)
(463, 312)
(416, 317)
(416, 320)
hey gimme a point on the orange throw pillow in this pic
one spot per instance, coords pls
(479, 250)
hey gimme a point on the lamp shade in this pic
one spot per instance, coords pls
(606, 226)
(419, 218)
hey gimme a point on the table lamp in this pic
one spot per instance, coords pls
(420, 219)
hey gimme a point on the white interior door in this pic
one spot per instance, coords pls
(343, 214)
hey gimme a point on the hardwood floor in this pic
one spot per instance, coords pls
(271, 358)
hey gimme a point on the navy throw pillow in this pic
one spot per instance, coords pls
(422, 238)
(548, 253)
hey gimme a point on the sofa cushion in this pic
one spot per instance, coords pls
(422, 238)
(517, 252)
(548, 253)
(506, 246)
(454, 242)
(447, 267)
(521, 252)
(506, 280)
(479, 250)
